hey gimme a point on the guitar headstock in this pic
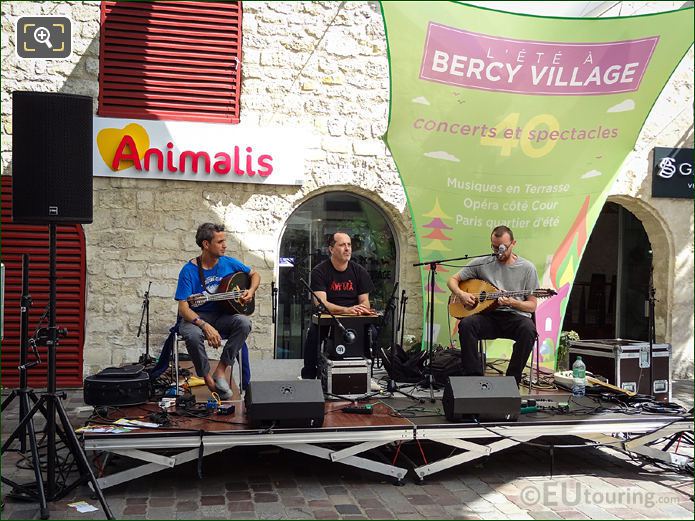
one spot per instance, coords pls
(544, 293)
(197, 299)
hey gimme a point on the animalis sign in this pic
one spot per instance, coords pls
(186, 151)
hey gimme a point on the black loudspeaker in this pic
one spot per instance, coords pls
(293, 403)
(487, 399)
(51, 158)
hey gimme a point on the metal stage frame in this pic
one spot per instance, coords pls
(307, 441)
(606, 429)
(160, 450)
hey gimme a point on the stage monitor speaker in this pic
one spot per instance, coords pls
(293, 403)
(482, 398)
(51, 158)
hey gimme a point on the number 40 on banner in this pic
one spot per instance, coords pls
(510, 135)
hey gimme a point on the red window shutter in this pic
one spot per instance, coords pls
(170, 60)
(70, 287)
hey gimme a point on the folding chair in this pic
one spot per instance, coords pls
(535, 351)
(242, 361)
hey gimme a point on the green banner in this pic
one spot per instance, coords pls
(498, 118)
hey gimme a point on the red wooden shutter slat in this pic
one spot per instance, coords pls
(70, 292)
(139, 113)
(123, 34)
(201, 79)
(170, 60)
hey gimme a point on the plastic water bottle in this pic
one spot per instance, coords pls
(579, 377)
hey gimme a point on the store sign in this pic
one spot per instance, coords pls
(186, 151)
(672, 173)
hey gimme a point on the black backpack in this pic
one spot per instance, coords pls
(407, 366)
(446, 363)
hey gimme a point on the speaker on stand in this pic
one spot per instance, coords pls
(51, 158)
(52, 184)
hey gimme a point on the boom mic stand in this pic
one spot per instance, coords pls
(347, 334)
(145, 316)
(53, 404)
(432, 278)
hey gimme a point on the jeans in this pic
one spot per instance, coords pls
(235, 328)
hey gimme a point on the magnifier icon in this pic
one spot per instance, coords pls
(43, 35)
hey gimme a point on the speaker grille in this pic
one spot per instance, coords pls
(51, 158)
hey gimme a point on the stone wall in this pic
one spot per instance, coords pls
(322, 66)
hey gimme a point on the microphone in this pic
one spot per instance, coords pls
(349, 335)
(500, 251)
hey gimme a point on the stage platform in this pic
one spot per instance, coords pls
(373, 442)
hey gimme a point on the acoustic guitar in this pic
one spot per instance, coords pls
(229, 291)
(487, 295)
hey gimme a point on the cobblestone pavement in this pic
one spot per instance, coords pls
(269, 483)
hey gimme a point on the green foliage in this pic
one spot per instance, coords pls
(563, 349)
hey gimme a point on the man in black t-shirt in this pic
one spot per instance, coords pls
(343, 286)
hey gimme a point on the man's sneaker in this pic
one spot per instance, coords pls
(224, 395)
(222, 385)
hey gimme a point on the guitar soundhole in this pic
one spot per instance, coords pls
(483, 296)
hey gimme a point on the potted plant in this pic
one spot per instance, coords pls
(563, 349)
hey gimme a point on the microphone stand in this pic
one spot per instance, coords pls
(274, 314)
(390, 309)
(652, 328)
(145, 316)
(432, 277)
(401, 323)
(321, 307)
(391, 386)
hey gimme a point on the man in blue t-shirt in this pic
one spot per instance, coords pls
(212, 321)
(512, 318)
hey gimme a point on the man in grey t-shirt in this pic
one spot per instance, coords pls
(512, 318)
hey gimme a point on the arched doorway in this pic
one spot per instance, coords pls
(303, 246)
(610, 293)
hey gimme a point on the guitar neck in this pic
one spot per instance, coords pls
(500, 294)
(224, 296)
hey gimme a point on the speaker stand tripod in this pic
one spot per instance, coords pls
(48, 405)
(25, 393)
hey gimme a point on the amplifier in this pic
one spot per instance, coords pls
(117, 386)
(292, 403)
(487, 399)
(348, 377)
(626, 364)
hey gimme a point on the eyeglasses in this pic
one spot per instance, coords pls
(496, 249)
